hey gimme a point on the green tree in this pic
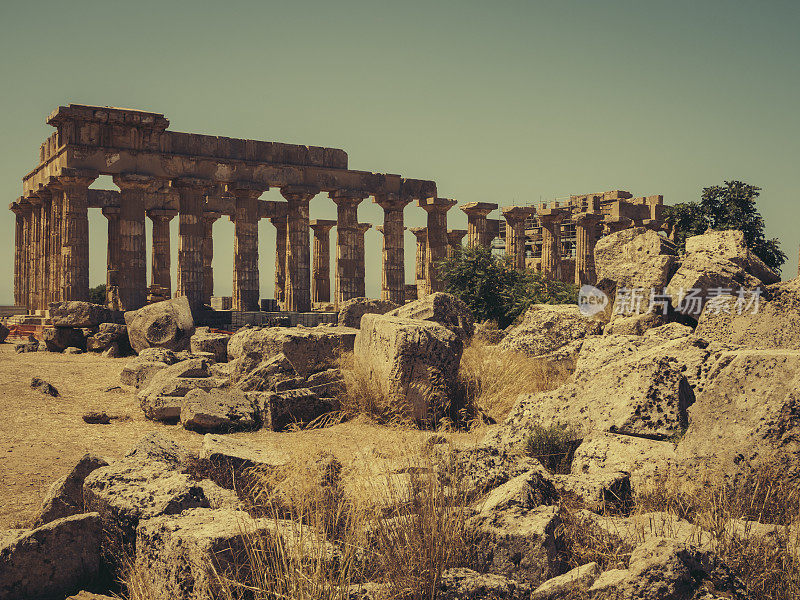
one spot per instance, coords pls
(97, 295)
(494, 290)
(728, 206)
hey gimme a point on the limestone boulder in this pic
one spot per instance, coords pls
(157, 447)
(641, 527)
(568, 585)
(442, 308)
(51, 561)
(636, 324)
(486, 466)
(65, 496)
(267, 375)
(81, 314)
(168, 324)
(108, 335)
(30, 345)
(138, 372)
(546, 328)
(466, 584)
(352, 310)
(58, 339)
(162, 355)
(241, 454)
(4, 331)
(161, 399)
(531, 489)
(730, 245)
(300, 406)
(216, 343)
(600, 491)
(414, 363)
(218, 410)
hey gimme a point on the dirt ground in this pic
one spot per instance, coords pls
(41, 437)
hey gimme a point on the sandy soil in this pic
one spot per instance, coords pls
(42, 437)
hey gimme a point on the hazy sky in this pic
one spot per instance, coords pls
(507, 102)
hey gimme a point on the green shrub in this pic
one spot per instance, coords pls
(553, 446)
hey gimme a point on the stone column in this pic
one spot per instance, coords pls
(25, 270)
(585, 228)
(393, 272)
(361, 265)
(246, 292)
(515, 217)
(550, 219)
(209, 218)
(160, 276)
(298, 268)
(191, 193)
(421, 233)
(132, 280)
(19, 240)
(75, 232)
(56, 230)
(114, 270)
(280, 258)
(454, 238)
(46, 249)
(321, 267)
(35, 252)
(347, 202)
(437, 239)
(478, 233)
(615, 224)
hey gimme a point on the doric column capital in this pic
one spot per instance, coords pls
(517, 214)
(111, 212)
(18, 208)
(246, 189)
(77, 178)
(587, 219)
(352, 197)
(550, 216)
(135, 181)
(211, 216)
(436, 205)
(322, 226)
(421, 233)
(362, 228)
(166, 214)
(478, 209)
(392, 202)
(299, 193)
(454, 236)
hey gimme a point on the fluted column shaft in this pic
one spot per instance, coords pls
(19, 240)
(478, 230)
(321, 266)
(35, 254)
(298, 267)
(454, 238)
(190, 239)
(420, 256)
(585, 228)
(133, 244)
(393, 272)
(346, 286)
(75, 231)
(361, 266)
(280, 258)
(160, 275)
(551, 245)
(56, 233)
(437, 240)
(246, 292)
(27, 256)
(209, 218)
(515, 241)
(46, 250)
(114, 270)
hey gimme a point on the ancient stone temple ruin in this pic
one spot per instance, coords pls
(162, 174)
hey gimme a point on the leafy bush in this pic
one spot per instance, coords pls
(554, 446)
(97, 295)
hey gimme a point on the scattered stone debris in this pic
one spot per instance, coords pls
(44, 387)
(97, 418)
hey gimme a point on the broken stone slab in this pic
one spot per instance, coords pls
(545, 328)
(205, 340)
(44, 387)
(569, 584)
(27, 346)
(138, 373)
(265, 376)
(642, 527)
(600, 491)
(466, 584)
(53, 560)
(157, 447)
(162, 355)
(58, 339)
(299, 406)
(636, 324)
(161, 399)
(65, 496)
(730, 245)
(81, 314)
(218, 411)
(442, 308)
(241, 454)
(107, 336)
(168, 324)
(482, 468)
(414, 363)
(527, 491)
(73, 350)
(220, 497)
(352, 310)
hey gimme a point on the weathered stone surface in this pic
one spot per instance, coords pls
(51, 561)
(600, 491)
(441, 308)
(27, 346)
(58, 339)
(483, 467)
(218, 411)
(415, 363)
(307, 349)
(564, 586)
(488, 333)
(636, 324)
(294, 406)
(81, 314)
(44, 387)
(775, 323)
(466, 584)
(205, 340)
(240, 453)
(220, 497)
(642, 527)
(266, 375)
(108, 335)
(84, 595)
(351, 311)
(4, 331)
(162, 355)
(73, 350)
(670, 331)
(168, 324)
(547, 327)
(730, 245)
(65, 496)
(155, 446)
(161, 399)
(533, 488)
(138, 373)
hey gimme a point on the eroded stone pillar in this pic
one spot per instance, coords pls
(298, 268)
(35, 252)
(45, 249)
(280, 258)
(454, 238)
(347, 201)
(132, 281)
(191, 192)
(56, 232)
(585, 239)
(437, 239)
(321, 266)
(160, 263)
(421, 233)
(478, 231)
(515, 217)
(25, 270)
(75, 232)
(113, 258)
(361, 266)
(550, 219)
(246, 294)
(209, 218)
(19, 240)
(393, 271)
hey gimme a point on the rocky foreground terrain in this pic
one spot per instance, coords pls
(658, 457)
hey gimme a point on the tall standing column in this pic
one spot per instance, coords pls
(454, 238)
(46, 249)
(160, 275)
(298, 268)
(437, 239)
(56, 231)
(280, 258)
(550, 219)
(209, 218)
(19, 240)
(347, 202)
(25, 269)
(361, 265)
(246, 292)
(75, 232)
(321, 266)
(515, 217)
(478, 233)
(35, 253)
(585, 228)
(191, 193)
(133, 245)
(393, 272)
(421, 234)
(114, 270)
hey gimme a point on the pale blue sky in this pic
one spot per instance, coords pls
(508, 102)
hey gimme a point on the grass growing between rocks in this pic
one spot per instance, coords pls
(553, 445)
